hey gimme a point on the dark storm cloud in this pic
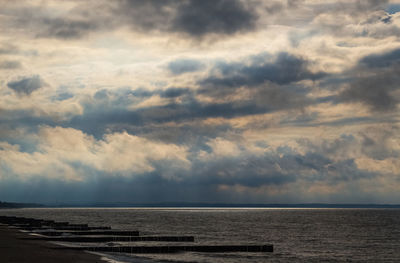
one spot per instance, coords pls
(188, 108)
(374, 91)
(200, 186)
(192, 18)
(10, 64)
(97, 121)
(375, 81)
(281, 167)
(387, 19)
(199, 18)
(175, 92)
(270, 83)
(26, 85)
(141, 93)
(108, 111)
(382, 60)
(182, 66)
(253, 171)
(285, 69)
(267, 97)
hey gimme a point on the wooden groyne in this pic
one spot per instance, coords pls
(98, 239)
(88, 233)
(31, 224)
(176, 249)
(70, 228)
(50, 230)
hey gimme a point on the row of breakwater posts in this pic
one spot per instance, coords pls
(50, 230)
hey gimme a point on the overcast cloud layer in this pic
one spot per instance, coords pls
(229, 101)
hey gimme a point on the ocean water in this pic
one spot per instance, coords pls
(298, 235)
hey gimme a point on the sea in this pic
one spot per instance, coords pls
(298, 235)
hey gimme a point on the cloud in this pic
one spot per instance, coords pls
(393, 8)
(181, 66)
(268, 83)
(284, 69)
(137, 109)
(375, 92)
(175, 92)
(386, 59)
(99, 120)
(63, 96)
(198, 20)
(375, 81)
(153, 15)
(226, 17)
(190, 18)
(46, 21)
(64, 149)
(66, 28)
(127, 166)
(350, 19)
(8, 49)
(26, 85)
(233, 101)
(10, 64)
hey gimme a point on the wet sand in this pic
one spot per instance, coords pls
(15, 249)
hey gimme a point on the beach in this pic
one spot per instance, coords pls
(15, 248)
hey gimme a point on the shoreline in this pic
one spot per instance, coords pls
(14, 248)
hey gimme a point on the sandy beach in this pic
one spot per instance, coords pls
(14, 248)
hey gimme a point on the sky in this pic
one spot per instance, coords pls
(215, 101)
